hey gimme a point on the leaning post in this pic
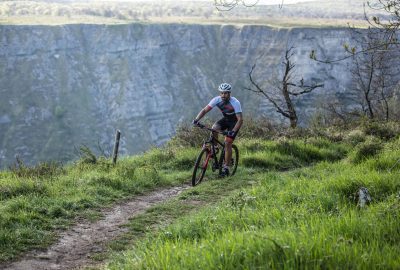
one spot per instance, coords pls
(116, 145)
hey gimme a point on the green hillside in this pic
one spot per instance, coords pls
(292, 204)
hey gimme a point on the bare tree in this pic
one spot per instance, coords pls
(282, 92)
(391, 20)
(387, 25)
(374, 72)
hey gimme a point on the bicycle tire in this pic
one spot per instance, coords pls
(234, 161)
(196, 179)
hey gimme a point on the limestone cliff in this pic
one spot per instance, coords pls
(63, 86)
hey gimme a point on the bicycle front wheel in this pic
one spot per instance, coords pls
(200, 167)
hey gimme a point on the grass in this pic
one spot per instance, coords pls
(305, 218)
(292, 204)
(34, 204)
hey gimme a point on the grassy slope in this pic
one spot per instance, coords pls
(302, 218)
(276, 211)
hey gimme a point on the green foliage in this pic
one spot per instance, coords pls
(86, 155)
(389, 158)
(258, 128)
(303, 219)
(283, 153)
(355, 137)
(241, 200)
(383, 131)
(189, 136)
(271, 161)
(37, 201)
(41, 170)
(22, 187)
(365, 150)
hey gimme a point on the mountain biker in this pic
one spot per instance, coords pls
(232, 120)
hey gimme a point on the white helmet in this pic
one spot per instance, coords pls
(225, 87)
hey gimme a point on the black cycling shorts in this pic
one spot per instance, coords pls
(227, 124)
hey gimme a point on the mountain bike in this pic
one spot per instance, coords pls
(209, 153)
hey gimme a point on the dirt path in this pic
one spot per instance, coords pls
(75, 245)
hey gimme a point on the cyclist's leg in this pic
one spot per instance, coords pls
(228, 145)
(218, 125)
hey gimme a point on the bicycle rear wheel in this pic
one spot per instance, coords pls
(234, 160)
(200, 167)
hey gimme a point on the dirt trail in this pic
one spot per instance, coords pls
(76, 245)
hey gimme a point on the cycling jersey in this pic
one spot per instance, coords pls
(229, 109)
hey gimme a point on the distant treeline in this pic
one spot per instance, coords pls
(342, 9)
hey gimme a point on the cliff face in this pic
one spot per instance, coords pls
(63, 86)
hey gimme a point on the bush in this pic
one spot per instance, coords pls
(257, 128)
(355, 137)
(86, 155)
(385, 131)
(189, 136)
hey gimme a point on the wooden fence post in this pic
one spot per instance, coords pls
(116, 145)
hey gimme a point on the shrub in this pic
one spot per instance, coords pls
(257, 128)
(86, 155)
(188, 136)
(386, 131)
(355, 137)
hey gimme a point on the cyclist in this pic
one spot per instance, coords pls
(232, 120)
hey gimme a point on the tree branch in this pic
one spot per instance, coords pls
(264, 93)
(353, 53)
(306, 89)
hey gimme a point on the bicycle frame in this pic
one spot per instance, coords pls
(210, 143)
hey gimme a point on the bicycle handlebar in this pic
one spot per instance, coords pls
(211, 129)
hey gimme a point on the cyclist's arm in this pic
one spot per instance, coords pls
(205, 110)
(239, 122)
